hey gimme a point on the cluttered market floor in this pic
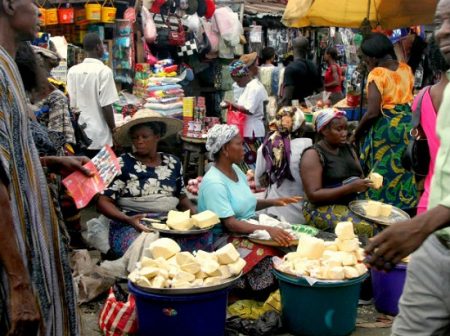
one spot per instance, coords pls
(369, 321)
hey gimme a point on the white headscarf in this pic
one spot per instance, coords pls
(218, 136)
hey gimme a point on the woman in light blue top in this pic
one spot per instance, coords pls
(224, 190)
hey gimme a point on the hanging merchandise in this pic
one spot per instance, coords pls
(210, 9)
(188, 49)
(66, 14)
(177, 37)
(212, 36)
(93, 11)
(42, 13)
(156, 6)
(51, 16)
(192, 7)
(123, 51)
(80, 17)
(148, 26)
(108, 12)
(201, 9)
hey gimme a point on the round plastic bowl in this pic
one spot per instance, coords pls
(387, 288)
(324, 309)
(188, 315)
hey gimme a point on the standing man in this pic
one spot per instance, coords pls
(301, 77)
(36, 288)
(92, 92)
(425, 302)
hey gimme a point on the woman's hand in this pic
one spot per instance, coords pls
(282, 201)
(360, 185)
(280, 236)
(135, 221)
(65, 165)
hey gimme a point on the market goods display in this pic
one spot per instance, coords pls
(337, 260)
(183, 221)
(168, 267)
(378, 209)
(376, 179)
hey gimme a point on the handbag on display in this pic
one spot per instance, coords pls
(177, 37)
(416, 157)
(188, 49)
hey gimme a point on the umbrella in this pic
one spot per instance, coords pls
(388, 14)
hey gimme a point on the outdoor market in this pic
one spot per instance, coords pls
(225, 167)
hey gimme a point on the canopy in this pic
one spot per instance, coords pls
(388, 14)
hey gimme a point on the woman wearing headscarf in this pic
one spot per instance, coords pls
(251, 103)
(278, 159)
(224, 190)
(150, 183)
(383, 132)
(332, 176)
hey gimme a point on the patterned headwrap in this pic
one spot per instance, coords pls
(326, 116)
(238, 69)
(218, 136)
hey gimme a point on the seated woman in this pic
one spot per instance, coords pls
(150, 182)
(278, 159)
(224, 190)
(332, 176)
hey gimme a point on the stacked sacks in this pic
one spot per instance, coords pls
(170, 268)
(338, 260)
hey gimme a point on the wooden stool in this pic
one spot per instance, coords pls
(194, 145)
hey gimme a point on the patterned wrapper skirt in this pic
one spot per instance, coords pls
(251, 146)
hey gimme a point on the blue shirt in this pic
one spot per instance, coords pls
(226, 197)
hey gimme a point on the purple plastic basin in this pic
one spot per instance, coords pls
(387, 288)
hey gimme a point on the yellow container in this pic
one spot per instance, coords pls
(93, 11)
(42, 13)
(108, 12)
(51, 16)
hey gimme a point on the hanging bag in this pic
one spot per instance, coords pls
(66, 14)
(236, 118)
(108, 12)
(177, 37)
(416, 157)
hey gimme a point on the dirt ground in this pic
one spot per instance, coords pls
(369, 321)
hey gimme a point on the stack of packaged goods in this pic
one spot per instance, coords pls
(164, 94)
(141, 79)
(195, 122)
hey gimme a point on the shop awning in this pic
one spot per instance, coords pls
(258, 7)
(388, 14)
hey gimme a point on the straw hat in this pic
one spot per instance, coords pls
(249, 59)
(122, 133)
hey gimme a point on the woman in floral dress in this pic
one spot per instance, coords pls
(150, 184)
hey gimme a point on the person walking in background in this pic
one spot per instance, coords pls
(384, 129)
(333, 76)
(301, 77)
(92, 92)
(431, 102)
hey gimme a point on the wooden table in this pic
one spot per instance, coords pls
(194, 145)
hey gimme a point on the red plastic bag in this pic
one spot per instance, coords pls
(236, 118)
(118, 318)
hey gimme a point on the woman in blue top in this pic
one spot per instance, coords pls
(224, 190)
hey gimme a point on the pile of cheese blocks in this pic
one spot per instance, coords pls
(182, 220)
(378, 209)
(170, 268)
(376, 179)
(337, 260)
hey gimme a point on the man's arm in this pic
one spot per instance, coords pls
(108, 114)
(288, 94)
(23, 310)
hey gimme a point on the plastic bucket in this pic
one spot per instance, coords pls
(108, 13)
(353, 100)
(66, 15)
(324, 309)
(93, 11)
(387, 288)
(42, 12)
(188, 315)
(51, 16)
(80, 16)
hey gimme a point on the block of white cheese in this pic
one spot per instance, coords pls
(310, 247)
(237, 267)
(385, 210)
(184, 276)
(330, 246)
(164, 248)
(336, 273)
(360, 254)
(201, 275)
(192, 268)
(149, 272)
(197, 283)
(201, 256)
(373, 208)
(205, 219)
(180, 284)
(148, 262)
(344, 230)
(350, 272)
(349, 245)
(376, 179)
(212, 281)
(224, 271)
(179, 220)
(334, 261)
(227, 254)
(209, 266)
(143, 282)
(348, 259)
(184, 258)
(158, 282)
(160, 226)
(361, 268)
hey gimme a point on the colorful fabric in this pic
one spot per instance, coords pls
(428, 118)
(251, 146)
(238, 69)
(329, 78)
(326, 217)
(138, 180)
(41, 245)
(326, 116)
(381, 151)
(56, 116)
(218, 136)
(230, 198)
(395, 87)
